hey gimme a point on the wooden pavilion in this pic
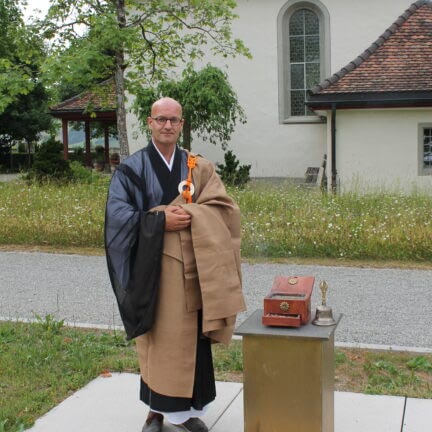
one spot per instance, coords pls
(91, 106)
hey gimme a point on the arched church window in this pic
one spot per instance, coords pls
(303, 56)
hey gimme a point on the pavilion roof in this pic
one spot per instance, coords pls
(102, 98)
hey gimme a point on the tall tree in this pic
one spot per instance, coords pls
(210, 106)
(23, 99)
(138, 42)
(20, 53)
(24, 119)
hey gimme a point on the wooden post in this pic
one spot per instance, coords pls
(87, 143)
(106, 140)
(65, 139)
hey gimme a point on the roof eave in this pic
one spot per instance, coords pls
(80, 111)
(370, 100)
(80, 115)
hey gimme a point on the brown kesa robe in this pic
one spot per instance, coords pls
(200, 270)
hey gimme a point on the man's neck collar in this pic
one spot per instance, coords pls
(168, 161)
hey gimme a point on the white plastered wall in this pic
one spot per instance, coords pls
(274, 149)
(379, 149)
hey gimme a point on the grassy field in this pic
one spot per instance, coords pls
(51, 214)
(283, 222)
(43, 363)
(277, 221)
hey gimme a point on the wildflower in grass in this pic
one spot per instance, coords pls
(280, 222)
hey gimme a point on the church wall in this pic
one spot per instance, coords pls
(381, 149)
(272, 148)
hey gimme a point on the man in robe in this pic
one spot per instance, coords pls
(172, 238)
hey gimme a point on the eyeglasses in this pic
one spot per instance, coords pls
(175, 121)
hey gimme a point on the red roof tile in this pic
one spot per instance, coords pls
(102, 100)
(399, 60)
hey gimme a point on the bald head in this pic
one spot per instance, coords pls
(166, 124)
(166, 103)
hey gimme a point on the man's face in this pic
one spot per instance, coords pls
(165, 134)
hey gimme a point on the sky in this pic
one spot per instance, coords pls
(36, 4)
(42, 6)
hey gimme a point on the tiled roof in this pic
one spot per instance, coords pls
(400, 60)
(104, 99)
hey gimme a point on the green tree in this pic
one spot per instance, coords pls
(231, 173)
(23, 99)
(138, 42)
(24, 119)
(20, 53)
(210, 106)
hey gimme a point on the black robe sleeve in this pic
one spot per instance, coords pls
(133, 244)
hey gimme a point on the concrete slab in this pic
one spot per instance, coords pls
(356, 412)
(418, 415)
(112, 405)
(232, 419)
(227, 393)
(105, 404)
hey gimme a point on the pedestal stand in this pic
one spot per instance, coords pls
(288, 377)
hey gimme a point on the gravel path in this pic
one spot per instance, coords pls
(9, 177)
(379, 306)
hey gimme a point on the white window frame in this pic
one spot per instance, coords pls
(422, 170)
(283, 19)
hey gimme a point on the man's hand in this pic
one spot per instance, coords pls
(176, 218)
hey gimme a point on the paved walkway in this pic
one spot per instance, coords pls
(111, 405)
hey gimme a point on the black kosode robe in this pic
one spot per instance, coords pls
(126, 208)
(168, 180)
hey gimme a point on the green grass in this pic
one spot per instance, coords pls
(43, 363)
(52, 214)
(287, 221)
(384, 372)
(277, 221)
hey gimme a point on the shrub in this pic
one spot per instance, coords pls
(231, 173)
(81, 174)
(49, 163)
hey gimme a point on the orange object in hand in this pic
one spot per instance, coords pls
(186, 193)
